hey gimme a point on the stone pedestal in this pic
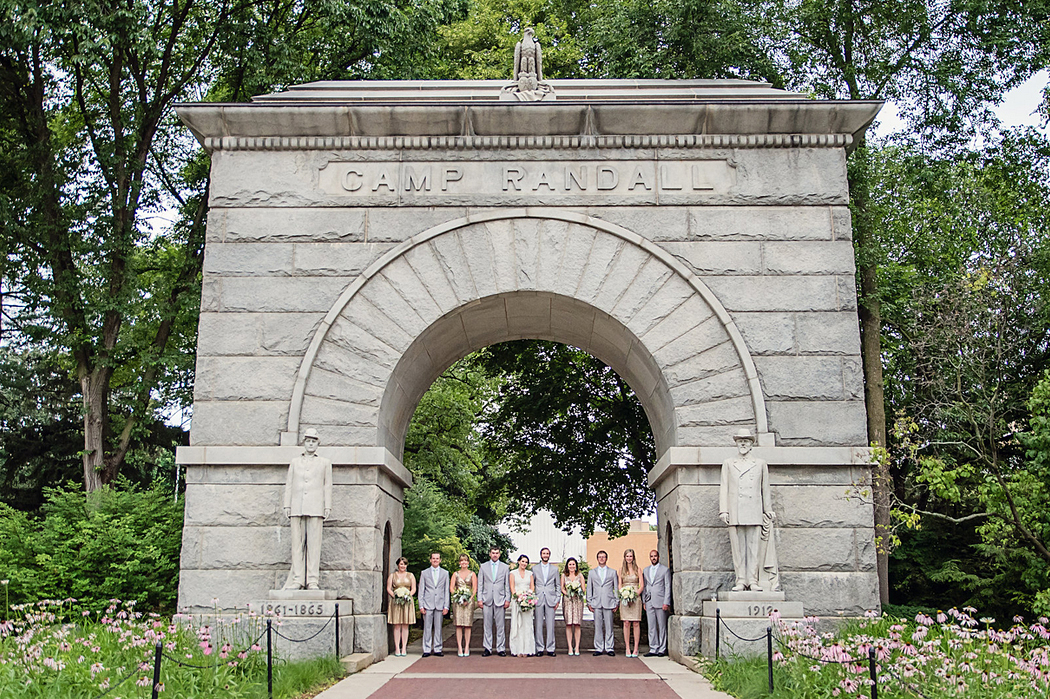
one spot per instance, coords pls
(745, 614)
(306, 624)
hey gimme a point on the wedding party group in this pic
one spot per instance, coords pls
(532, 595)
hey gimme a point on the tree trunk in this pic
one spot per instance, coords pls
(93, 391)
(870, 314)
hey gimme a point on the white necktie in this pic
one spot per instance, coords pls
(601, 575)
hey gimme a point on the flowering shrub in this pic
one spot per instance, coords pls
(950, 654)
(51, 650)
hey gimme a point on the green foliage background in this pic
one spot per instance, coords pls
(119, 543)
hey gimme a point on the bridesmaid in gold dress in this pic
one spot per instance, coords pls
(401, 614)
(572, 609)
(463, 614)
(631, 614)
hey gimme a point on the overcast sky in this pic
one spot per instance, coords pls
(1017, 109)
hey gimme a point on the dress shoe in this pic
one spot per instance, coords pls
(426, 655)
(650, 654)
(663, 655)
(598, 652)
(611, 654)
(502, 654)
(551, 653)
(440, 654)
(486, 653)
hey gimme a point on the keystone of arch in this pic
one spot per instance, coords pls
(745, 364)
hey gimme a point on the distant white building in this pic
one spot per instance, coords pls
(542, 532)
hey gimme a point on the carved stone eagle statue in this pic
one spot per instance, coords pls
(528, 72)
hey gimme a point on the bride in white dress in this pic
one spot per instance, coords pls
(522, 633)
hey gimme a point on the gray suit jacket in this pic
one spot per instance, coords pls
(493, 591)
(657, 590)
(548, 590)
(433, 595)
(744, 491)
(602, 595)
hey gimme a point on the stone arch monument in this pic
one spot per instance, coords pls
(362, 237)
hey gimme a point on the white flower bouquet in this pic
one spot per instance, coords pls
(526, 600)
(402, 595)
(574, 589)
(463, 596)
(627, 594)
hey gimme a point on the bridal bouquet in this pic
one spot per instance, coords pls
(627, 594)
(402, 595)
(574, 589)
(526, 600)
(463, 596)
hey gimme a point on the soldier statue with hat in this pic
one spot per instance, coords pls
(745, 504)
(307, 503)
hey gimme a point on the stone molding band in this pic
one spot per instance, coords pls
(379, 457)
(297, 143)
(676, 457)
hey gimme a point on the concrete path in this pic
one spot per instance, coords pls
(452, 677)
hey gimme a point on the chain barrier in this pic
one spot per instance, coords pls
(785, 646)
(128, 677)
(905, 685)
(308, 638)
(739, 637)
(214, 665)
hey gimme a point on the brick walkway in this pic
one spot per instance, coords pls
(583, 677)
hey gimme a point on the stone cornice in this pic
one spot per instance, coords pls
(453, 143)
(778, 120)
(677, 457)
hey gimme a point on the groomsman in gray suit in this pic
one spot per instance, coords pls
(657, 598)
(602, 584)
(548, 597)
(433, 603)
(494, 597)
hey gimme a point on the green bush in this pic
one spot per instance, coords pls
(118, 543)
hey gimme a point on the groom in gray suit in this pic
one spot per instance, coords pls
(433, 603)
(657, 598)
(494, 597)
(602, 584)
(548, 597)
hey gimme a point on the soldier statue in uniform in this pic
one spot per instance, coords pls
(307, 503)
(744, 503)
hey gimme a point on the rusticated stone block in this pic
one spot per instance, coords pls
(267, 224)
(808, 257)
(683, 637)
(789, 377)
(815, 423)
(821, 506)
(768, 333)
(241, 423)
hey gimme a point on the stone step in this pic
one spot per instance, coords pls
(356, 662)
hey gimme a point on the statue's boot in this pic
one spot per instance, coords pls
(740, 586)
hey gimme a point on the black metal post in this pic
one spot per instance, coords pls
(718, 632)
(337, 656)
(269, 659)
(874, 672)
(769, 655)
(156, 669)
